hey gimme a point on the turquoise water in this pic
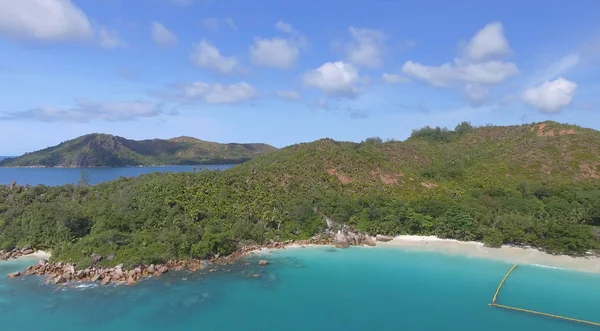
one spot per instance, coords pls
(314, 289)
(61, 176)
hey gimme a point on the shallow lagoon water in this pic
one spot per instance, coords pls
(313, 288)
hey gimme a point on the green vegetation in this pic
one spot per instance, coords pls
(101, 150)
(533, 185)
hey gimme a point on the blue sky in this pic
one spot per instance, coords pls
(283, 72)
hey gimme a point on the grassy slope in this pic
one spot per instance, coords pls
(533, 184)
(97, 150)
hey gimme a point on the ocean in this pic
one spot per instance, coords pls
(62, 176)
(314, 288)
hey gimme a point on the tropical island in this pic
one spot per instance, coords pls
(103, 150)
(532, 185)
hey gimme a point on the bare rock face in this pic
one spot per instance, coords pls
(383, 238)
(105, 280)
(263, 262)
(341, 240)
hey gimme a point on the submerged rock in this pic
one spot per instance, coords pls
(263, 262)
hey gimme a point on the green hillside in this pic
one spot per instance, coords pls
(535, 185)
(102, 150)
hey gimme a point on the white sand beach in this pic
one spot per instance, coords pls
(510, 254)
(36, 255)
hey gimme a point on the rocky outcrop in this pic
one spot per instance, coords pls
(341, 240)
(14, 274)
(383, 238)
(16, 252)
(63, 273)
(60, 273)
(346, 237)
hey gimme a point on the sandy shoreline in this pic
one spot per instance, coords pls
(510, 254)
(37, 255)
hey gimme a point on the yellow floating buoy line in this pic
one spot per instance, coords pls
(502, 283)
(494, 304)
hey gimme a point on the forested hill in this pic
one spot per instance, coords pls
(536, 184)
(102, 150)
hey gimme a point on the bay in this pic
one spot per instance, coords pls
(62, 176)
(315, 288)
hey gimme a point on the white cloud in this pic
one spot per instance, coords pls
(284, 27)
(334, 78)
(437, 76)
(476, 71)
(475, 92)
(393, 78)
(559, 67)
(551, 96)
(367, 47)
(216, 93)
(161, 35)
(45, 20)
(289, 95)
(491, 72)
(109, 39)
(276, 52)
(229, 22)
(213, 23)
(489, 42)
(207, 56)
(89, 110)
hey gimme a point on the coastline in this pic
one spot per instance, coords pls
(511, 254)
(45, 255)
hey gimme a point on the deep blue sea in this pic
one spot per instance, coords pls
(314, 288)
(61, 176)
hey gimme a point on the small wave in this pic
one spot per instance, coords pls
(546, 266)
(86, 286)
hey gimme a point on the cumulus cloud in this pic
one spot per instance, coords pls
(334, 78)
(284, 27)
(211, 93)
(86, 111)
(214, 24)
(489, 42)
(161, 35)
(276, 52)
(393, 78)
(207, 56)
(551, 96)
(289, 95)
(366, 49)
(476, 71)
(45, 20)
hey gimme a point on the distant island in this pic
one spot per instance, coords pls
(103, 150)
